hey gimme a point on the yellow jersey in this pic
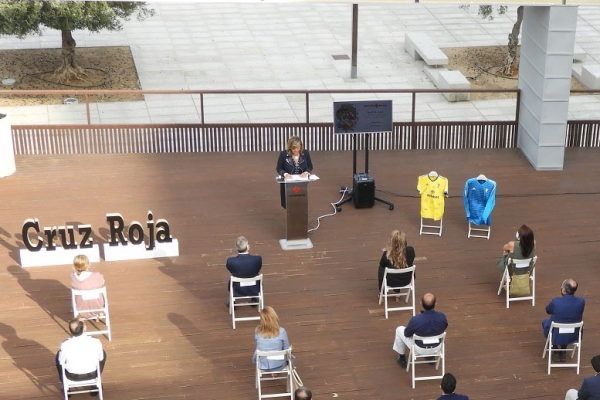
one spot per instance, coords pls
(433, 190)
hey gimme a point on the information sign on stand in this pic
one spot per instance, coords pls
(362, 116)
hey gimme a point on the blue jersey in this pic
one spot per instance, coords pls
(480, 198)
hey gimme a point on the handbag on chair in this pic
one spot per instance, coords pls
(519, 285)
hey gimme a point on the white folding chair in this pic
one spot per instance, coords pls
(479, 231)
(93, 385)
(431, 229)
(101, 313)
(518, 265)
(286, 373)
(436, 349)
(243, 301)
(562, 329)
(402, 291)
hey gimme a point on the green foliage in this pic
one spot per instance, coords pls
(21, 18)
(486, 11)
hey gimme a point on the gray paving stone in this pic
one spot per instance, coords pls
(289, 46)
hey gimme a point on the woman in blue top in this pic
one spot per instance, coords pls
(270, 336)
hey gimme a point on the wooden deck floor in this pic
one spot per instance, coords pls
(172, 335)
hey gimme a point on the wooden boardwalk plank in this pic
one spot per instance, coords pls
(172, 335)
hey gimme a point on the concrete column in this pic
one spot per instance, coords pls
(7, 155)
(547, 45)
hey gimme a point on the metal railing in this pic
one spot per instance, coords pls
(224, 137)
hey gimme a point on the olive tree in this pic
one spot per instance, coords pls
(23, 18)
(510, 66)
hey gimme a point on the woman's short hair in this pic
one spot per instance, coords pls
(269, 323)
(293, 142)
(81, 263)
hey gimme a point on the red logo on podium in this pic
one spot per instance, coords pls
(296, 189)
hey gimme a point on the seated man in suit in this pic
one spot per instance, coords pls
(80, 354)
(590, 388)
(565, 309)
(428, 323)
(244, 265)
(448, 387)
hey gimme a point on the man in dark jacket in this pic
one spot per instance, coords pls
(590, 388)
(428, 323)
(244, 265)
(448, 387)
(565, 309)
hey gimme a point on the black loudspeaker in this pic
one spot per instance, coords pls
(364, 191)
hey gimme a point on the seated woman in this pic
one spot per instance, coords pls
(523, 247)
(396, 255)
(83, 279)
(270, 336)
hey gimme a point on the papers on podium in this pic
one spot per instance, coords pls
(297, 178)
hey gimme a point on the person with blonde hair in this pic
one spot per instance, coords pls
(270, 337)
(397, 254)
(83, 279)
(294, 160)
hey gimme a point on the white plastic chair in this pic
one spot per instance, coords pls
(93, 385)
(416, 356)
(102, 313)
(243, 301)
(403, 291)
(563, 328)
(286, 373)
(518, 265)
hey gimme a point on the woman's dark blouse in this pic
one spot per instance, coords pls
(396, 280)
(285, 163)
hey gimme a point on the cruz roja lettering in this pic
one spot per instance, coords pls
(158, 231)
(66, 234)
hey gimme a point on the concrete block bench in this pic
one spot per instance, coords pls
(420, 47)
(578, 53)
(590, 76)
(454, 80)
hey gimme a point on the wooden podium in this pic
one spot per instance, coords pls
(296, 216)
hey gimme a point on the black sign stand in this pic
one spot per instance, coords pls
(349, 193)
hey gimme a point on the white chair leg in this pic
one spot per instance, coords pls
(501, 283)
(533, 287)
(386, 305)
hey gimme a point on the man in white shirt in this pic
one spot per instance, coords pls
(80, 354)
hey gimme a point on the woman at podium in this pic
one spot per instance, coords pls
(295, 160)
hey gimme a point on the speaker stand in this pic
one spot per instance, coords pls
(349, 193)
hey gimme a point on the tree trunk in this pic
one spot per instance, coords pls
(511, 62)
(69, 68)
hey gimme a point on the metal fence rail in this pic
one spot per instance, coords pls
(318, 136)
(86, 139)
